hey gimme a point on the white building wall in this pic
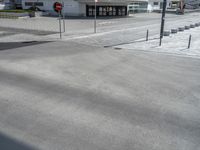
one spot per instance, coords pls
(8, 4)
(82, 9)
(155, 7)
(71, 7)
(2, 6)
(151, 4)
(152, 7)
(149, 7)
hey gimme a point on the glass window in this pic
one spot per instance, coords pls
(39, 4)
(34, 4)
(155, 3)
(107, 10)
(29, 3)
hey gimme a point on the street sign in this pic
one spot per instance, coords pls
(58, 6)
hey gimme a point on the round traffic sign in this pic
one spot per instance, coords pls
(58, 6)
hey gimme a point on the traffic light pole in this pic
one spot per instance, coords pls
(162, 21)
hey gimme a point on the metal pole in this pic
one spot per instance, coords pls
(95, 17)
(63, 15)
(162, 21)
(189, 42)
(147, 35)
(60, 24)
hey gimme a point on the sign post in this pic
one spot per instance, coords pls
(60, 24)
(58, 8)
(162, 21)
(63, 15)
(95, 16)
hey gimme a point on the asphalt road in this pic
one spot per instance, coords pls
(70, 96)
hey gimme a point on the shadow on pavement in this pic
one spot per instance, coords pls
(8, 143)
(12, 45)
(28, 31)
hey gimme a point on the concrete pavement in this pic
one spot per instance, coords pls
(72, 96)
(111, 32)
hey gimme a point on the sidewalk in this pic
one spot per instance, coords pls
(175, 44)
(109, 32)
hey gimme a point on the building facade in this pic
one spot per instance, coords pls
(151, 5)
(12, 4)
(81, 7)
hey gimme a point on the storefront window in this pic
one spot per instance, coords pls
(107, 10)
(114, 11)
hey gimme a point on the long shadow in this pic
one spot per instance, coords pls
(32, 31)
(142, 115)
(12, 45)
(9, 143)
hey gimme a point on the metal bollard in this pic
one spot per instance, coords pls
(147, 35)
(189, 42)
(63, 16)
(60, 25)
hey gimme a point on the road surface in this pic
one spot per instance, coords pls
(71, 96)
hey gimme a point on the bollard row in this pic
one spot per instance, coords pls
(180, 29)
